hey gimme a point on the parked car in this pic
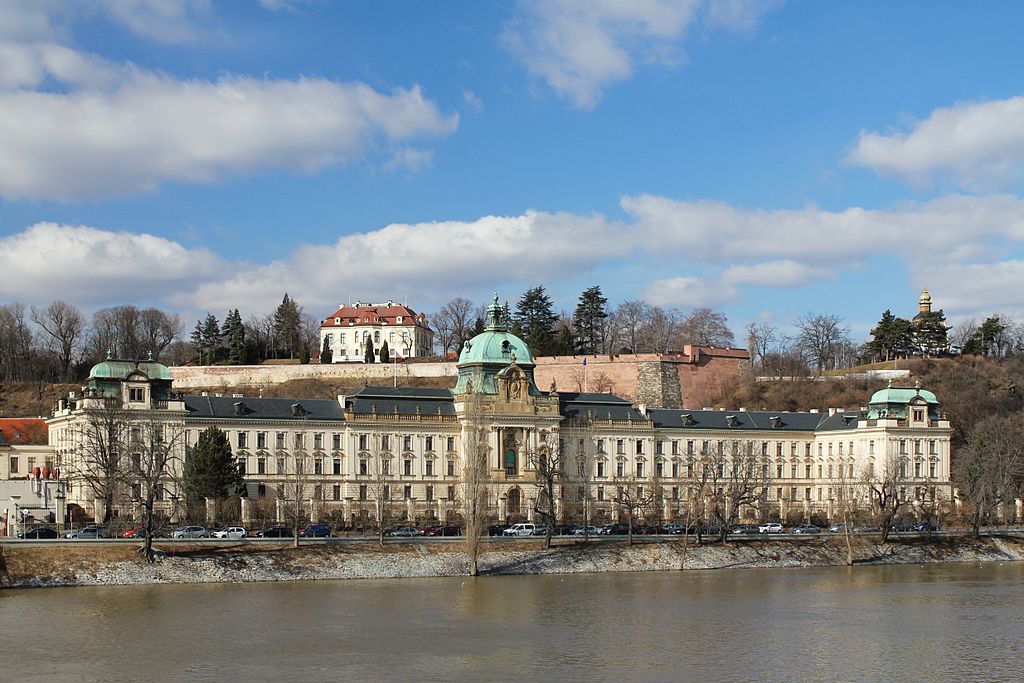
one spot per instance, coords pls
(40, 532)
(614, 530)
(443, 530)
(521, 529)
(837, 528)
(807, 529)
(276, 532)
(316, 531)
(770, 528)
(587, 531)
(565, 529)
(924, 526)
(743, 529)
(137, 532)
(902, 525)
(496, 529)
(403, 531)
(865, 529)
(90, 532)
(189, 532)
(230, 532)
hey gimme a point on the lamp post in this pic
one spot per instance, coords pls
(17, 517)
(59, 505)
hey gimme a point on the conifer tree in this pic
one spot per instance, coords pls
(368, 352)
(385, 353)
(287, 321)
(588, 321)
(535, 318)
(210, 470)
(326, 354)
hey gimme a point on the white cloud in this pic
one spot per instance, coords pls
(162, 21)
(579, 47)
(783, 273)
(154, 129)
(979, 145)
(976, 289)
(473, 100)
(687, 292)
(86, 265)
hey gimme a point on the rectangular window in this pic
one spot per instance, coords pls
(659, 469)
(932, 449)
(871, 447)
(407, 467)
(363, 439)
(299, 465)
(807, 471)
(136, 395)
(385, 467)
(364, 467)
(386, 493)
(318, 441)
(689, 447)
(792, 471)
(675, 493)
(451, 468)
(362, 492)
(241, 466)
(337, 466)
(299, 441)
(430, 493)
(318, 466)
(917, 470)
(600, 468)
(807, 450)
(243, 439)
(932, 467)
(675, 470)
(764, 448)
(807, 493)
(261, 466)
(336, 492)
(14, 465)
(451, 443)
(675, 448)
(689, 470)
(620, 447)
(778, 471)
(407, 492)
(639, 491)
(600, 493)
(600, 445)
(407, 443)
(336, 442)
(261, 439)
(620, 469)
(280, 466)
(280, 440)
(819, 471)
(451, 493)
(429, 443)
(639, 447)
(903, 446)
(385, 442)
(429, 467)
(659, 448)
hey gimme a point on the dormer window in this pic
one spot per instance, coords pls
(337, 321)
(136, 394)
(505, 348)
(399, 320)
(918, 414)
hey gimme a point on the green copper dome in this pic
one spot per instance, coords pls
(893, 401)
(120, 369)
(484, 356)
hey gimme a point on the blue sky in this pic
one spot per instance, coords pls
(767, 159)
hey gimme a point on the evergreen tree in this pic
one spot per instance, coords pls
(210, 470)
(588, 321)
(930, 332)
(989, 339)
(233, 334)
(891, 338)
(197, 340)
(535, 318)
(287, 321)
(368, 353)
(385, 353)
(326, 354)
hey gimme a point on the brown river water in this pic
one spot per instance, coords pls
(941, 622)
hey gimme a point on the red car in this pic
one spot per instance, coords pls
(137, 532)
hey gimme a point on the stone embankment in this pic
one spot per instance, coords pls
(97, 564)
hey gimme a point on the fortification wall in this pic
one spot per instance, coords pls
(199, 377)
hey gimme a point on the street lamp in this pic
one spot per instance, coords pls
(59, 506)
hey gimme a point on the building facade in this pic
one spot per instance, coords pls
(402, 452)
(349, 330)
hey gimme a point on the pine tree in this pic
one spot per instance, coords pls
(588, 321)
(930, 332)
(197, 340)
(385, 353)
(287, 320)
(326, 354)
(233, 334)
(535, 317)
(368, 353)
(210, 470)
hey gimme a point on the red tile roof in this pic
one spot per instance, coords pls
(27, 431)
(374, 314)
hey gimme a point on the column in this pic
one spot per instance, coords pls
(246, 511)
(410, 509)
(279, 510)
(346, 511)
(529, 509)
(503, 507)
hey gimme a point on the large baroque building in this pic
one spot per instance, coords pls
(348, 330)
(410, 446)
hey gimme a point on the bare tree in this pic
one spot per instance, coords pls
(848, 491)
(631, 498)
(64, 325)
(661, 329)
(547, 462)
(989, 470)
(886, 485)
(453, 324)
(474, 477)
(824, 340)
(760, 338)
(579, 469)
(102, 434)
(705, 327)
(627, 322)
(737, 479)
(961, 334)
(155, 450)
(158, 330)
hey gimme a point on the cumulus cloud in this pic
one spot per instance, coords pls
(979, 145)
(579, 47)
(976, 289)
(688, 291)
(49, 260)
(115, 129)
(783, 273)
(155, 129)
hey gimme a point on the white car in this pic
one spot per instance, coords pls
(770, 528)
(230, 532)
(189, 532)
(521, 529)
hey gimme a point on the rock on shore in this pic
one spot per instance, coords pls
(23, 565)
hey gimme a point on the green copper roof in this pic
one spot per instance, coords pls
(120, 369)
(891, 395)
(496, 345)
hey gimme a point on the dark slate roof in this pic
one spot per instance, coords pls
(597, 406)
(840, 421)
(771, 421)
(401, 401)
(263, 408)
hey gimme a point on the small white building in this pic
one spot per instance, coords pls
(348, 330)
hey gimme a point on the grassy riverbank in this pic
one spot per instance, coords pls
(93, 564)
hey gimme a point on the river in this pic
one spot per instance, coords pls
(937, 622)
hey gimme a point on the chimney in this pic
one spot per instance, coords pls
(643, 409)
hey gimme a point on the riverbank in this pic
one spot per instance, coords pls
(24, 566)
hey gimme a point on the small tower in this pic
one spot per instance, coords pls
(924, 302)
